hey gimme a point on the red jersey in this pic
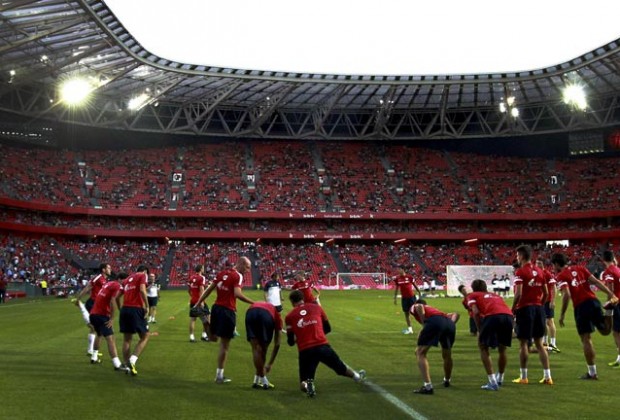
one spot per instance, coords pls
(226, 282)
(196, 281)
(131, 289)
(306, 322)
(96, 284)
(103, 302)
(429, 311)
(488, 303)
(405, 284)
(575, 278)
(611, 276)
(306, 288)
(550, 280)
(532, 283)
(266, 306)
(465, 304)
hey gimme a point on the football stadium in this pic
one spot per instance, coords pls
(254, 210)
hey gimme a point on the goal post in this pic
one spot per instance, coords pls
(352, 281)
(499, 278)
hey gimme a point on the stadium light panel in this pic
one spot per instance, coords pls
(75, 91)
(574, 95)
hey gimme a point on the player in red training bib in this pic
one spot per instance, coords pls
(306, 287)
(611, 277)
(195, 287)
(405, 284)
(437, 328)
(493, 319)
(134, 311)
(307, 326)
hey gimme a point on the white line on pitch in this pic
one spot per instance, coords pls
(394, 401)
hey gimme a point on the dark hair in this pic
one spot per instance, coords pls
(479, 285)
(102, 266)
(275, 276)
(560, 260)
(142, 267)
(122, 275)
(525, 251)
(296, 296)
(198, 268)
(460, 288)
(608, 256)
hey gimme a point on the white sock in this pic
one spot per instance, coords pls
(409, 329)
(94, 356)
(499, 377)
(592, 370)
(547, 373)
(85, 313)
(618, 359)
(356, 376)
(91, 342)
(133, 359)
(191, 337)
(256, 379)
(428, 385)
(552, 340)
(204, 334)
(116, 362)
(492, 379)
(219, 373)
(264, 380)
(523, 373)
(544, 339)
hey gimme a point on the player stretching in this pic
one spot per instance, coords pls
(92, 288)
(611, 276)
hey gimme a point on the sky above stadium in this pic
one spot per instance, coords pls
(380, 37)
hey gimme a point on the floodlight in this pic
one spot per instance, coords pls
(575, 96)
(75, 91)
(138, 102)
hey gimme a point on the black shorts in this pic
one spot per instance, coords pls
(496, 330)
(152, 301)
(531, 322)
(89, 304)
(472, 325)
(132, 321)
(616, 318)
(259, 325)
(204, 313)
(437, 330)
(549, 311)
(407, 303)
(589, 316)
(309, 360)
(223, 321)
(99, 324)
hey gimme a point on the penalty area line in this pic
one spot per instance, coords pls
(394, 401)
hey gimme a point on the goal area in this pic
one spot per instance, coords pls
(499, 278)
(353, 281)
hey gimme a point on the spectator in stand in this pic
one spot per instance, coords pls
(3, 285)
(224, 311)
(575, 284)
(405, 283)
(437, 328)
(134, 312)
(196, 286)
(306, 287)
(493, 319)
(611, 277)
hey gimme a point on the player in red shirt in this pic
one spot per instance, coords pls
(307, 325)
(530, 294)
(574, 283)
(263, 324)
(134, 311)
(107, 304)
(438, 328)
(405, 283)
(306, 287)
(92, 289)
(473, 329)
(494, 321)
(549, 308)
(611, 277)
(195, 287)
(227, 284)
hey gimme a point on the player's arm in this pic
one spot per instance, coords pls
(551, 287)
(518, 293)
(417, 289)
(276, 344)
(420, 311)
(86, 289)
(205, 294)
(565, 298)
(113, 309)
(145, 300)
(290, 336)
(239, 295)
(601, 286)
(395, 292)
(545, 290)
(476, 315)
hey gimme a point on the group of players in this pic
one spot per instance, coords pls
(533, 305)
(307, 324)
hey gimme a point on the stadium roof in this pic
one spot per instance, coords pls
(43, 43)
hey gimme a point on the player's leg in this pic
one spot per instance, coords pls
(590, 356)
(192, 325)
(422, 360)
(206, 327)
(616, 334)
(308, 363)
(127, 338)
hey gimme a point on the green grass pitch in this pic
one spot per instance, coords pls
(45, 372)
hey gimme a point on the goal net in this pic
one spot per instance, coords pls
(352, 281)
(499, 278)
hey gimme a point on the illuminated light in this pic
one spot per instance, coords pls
(12, 73)
(138, 102)
(514, 112)
(329, 240)
(575, 96)
(502, 107)
(397, 241)
(510, 100)
(467, 241)
(75, 91)
(44, 58)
